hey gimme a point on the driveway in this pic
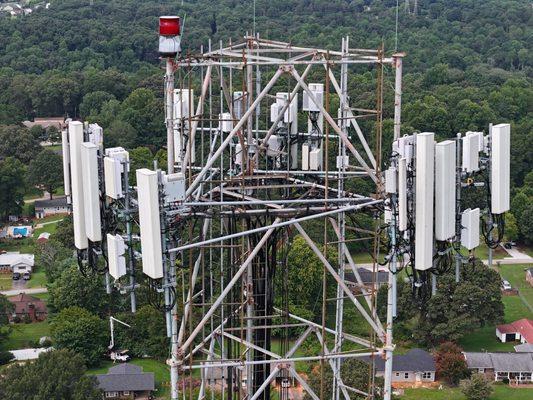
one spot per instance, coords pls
(14, 292)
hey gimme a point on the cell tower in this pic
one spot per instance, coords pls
(213, 231)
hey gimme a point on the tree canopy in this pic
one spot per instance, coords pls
(77, 329)
(58, 374)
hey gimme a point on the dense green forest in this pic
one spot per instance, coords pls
(468, 62)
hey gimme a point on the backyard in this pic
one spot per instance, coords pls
(26, 335)
(516, 307)
(159, 368)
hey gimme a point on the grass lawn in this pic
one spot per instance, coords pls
(159, 368)
(501, 392)
(482, 252)
(43, 296)
(484, 339)
(25, 245)
(516, 274)
(5, 281)
(38, 279)
(25, 335)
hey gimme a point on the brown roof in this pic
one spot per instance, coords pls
(22, 302)
(58, 122)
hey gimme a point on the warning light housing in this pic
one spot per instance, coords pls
(169, 36)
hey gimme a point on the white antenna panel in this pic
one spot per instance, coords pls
(275, 109)
(404, 147)
(174, 187)
(500, 168)
(425, 166)
(291, 113)
(96, 134)
(238, 154)
(480, 139)
(315, 159)
(238, 104)
(183, 100)
(391, 185)
(402, 194)
(75, 132)
(470, 228)
(66, 163)
(305, 156)
(91, 191)
(470, 153)
(113, 178)
(149, 222)
(115, 252)
(226, 124)
(445, 164)
(318, 92)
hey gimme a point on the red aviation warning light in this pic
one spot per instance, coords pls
(169, 36)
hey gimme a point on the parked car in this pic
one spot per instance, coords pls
(16, 276)
(26, 276)
(506, 285)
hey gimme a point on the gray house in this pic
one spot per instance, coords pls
(516, 367)
(415, 366)
(127, 381)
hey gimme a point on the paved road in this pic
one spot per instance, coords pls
(14, 292)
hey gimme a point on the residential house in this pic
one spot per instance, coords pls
(45, 123)
(126, 381)
(16, 262)
(368, 277)
(414, 367)
(529, 276)
(516, 367)
(57, 206)
(27, 307)
(521, 330)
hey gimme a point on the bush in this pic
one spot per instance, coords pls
(5, 357)
(476, 388)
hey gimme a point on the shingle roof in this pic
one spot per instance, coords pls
(523, 326)
(524, 348)
(504, 362)
(415, 360)
(478, 360)
(126, 377)
(22, 301)
(57, 202)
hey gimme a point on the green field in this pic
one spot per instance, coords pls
(38, 279)
(26, 335)
(501, 392)
(482, 252)
(159, 368)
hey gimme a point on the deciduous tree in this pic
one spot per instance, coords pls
(77, 329)
(58, 374)
(46, 170)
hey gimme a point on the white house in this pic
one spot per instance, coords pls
(16, 262)
(57, 206)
